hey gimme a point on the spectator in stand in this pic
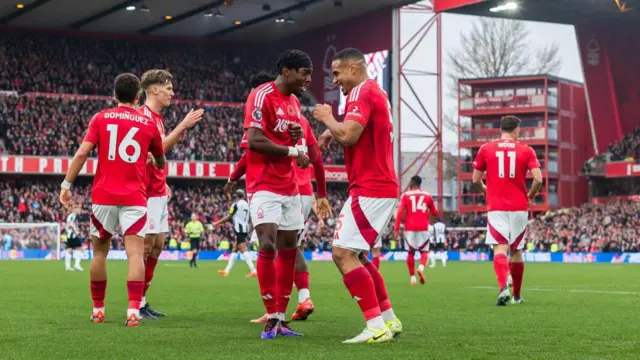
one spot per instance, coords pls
(591, 227)
(59, 124)
(81, 65)
(627, 148)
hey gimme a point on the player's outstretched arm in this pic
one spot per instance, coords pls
(192, 118)
(226, 217)
(78, 161)
(347, 133)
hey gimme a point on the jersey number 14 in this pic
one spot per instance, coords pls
(418, 204)
(123, 147)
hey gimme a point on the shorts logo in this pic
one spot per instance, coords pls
(260, 213)
(257, 114)
(152, 224)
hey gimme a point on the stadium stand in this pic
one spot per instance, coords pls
(81, 65)
(628, 148)
(611, 227)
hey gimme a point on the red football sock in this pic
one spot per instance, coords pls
(149, 269)
(302, 280)
(381, 289)
(501, 268)
(424, 257)
(361, 288)
(266, 268)
(98, 289)
(517, 272)
(411, 262)
(285, 270)
(135, 290)
(376, 261)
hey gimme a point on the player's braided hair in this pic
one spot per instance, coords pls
(260, 78)
(293, 59)
(509, 123)
(155, 77)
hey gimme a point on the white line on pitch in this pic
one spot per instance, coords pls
(568, 290)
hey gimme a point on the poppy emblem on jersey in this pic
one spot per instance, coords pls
(257, 115)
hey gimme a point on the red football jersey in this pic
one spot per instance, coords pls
(157, 178)
(506, 163)
(123, 137)
(369, 161)
(303, 176)
(271, 111)
(414, 204)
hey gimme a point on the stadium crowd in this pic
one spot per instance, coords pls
(594, 228)
(81, 65)
(627, 148)
(610, 227)
(55, 126)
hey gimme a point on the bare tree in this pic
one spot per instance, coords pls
(499, 47)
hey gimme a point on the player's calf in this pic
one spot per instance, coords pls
(134, 246)
(98, 274)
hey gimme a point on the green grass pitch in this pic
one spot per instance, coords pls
(571, 311)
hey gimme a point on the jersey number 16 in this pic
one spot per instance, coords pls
(127, 142)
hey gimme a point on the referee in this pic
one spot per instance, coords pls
(194, 229)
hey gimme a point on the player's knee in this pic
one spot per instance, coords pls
(267, 246)
(500, 249)
(516, 256)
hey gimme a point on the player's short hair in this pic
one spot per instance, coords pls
(240, 193)
(126, 87)
(155, 77)
(416, 180)
(260, 78)
(349, 54)
(509, 123)
(294, 59)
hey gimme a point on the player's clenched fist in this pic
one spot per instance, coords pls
(302, 161)
(296, 132)
(229, 187)
(65, 198)
(324, 209)
(322, 112)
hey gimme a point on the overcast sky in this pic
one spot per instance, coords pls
(425, 58)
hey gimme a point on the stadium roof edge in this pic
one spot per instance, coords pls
(571, 12)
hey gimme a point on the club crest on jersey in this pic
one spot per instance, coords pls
(257, 114)
(291, 110)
